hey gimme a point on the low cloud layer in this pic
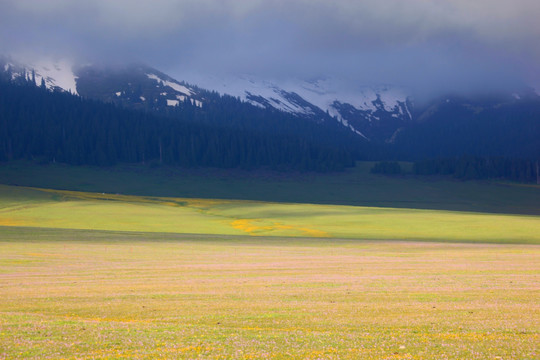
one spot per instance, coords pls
(429, 45)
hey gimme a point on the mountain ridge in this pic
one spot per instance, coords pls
(142, 86)
(388, 118)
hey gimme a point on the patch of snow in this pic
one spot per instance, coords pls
(55, 74)
(408, 111)
(118, 93)
(334, 113)
(325, 94)
(177, 87)
(172, 102)
(163, 94)
(322, 93)
(142, 98)
(254, 103)
(154, 77)
(196, 103)
(245, 88)
(181, 97)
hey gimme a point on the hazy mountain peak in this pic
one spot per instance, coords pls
(56, 74)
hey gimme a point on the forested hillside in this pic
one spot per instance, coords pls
(52, 126)
(223, 131)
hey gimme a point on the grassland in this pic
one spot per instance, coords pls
(46, 208)
(355, 187)
(90, 294)
(344, 266)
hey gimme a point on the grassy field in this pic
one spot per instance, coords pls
(45, 208)
(108, 295)
(353, 187)
(137, 264)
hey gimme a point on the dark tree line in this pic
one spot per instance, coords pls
(54, 126)
(226, 132)
(470, 167)
(510, 130)
(230, 112)
(386, 168)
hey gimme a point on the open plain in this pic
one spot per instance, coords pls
(86, 294)
(93, 275)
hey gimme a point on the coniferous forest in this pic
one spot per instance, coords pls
(54, 126)
(468, 168)
(59, 127)
(474, 168)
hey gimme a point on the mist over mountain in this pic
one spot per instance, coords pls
(376, 79)
(368, 123)
(432, 48)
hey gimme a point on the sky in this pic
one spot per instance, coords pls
(427, 45)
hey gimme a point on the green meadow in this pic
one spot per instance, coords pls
(355, 186)
(131, 262)
(46, 208)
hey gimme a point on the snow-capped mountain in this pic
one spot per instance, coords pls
(135, 86)
(383, 114)
(371, 112)
(55, 75)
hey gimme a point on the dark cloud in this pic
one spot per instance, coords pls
(423, 44)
